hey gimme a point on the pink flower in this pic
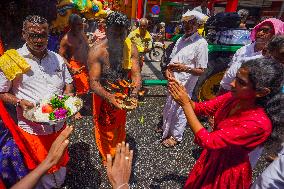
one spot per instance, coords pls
(60, 113)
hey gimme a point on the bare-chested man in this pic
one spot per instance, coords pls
(112, 60)
(74, 47)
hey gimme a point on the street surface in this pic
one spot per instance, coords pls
(154, 166)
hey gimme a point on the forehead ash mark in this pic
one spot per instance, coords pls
(37, 27)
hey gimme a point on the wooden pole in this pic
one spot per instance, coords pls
(133, 9)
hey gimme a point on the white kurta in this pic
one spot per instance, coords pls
(45, 78)
(193, 52)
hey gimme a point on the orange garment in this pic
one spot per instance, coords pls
(81, 79)
(109, 127)
(33, 147)
(39, 146)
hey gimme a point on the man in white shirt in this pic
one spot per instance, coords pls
(189, 58)
(48, 75)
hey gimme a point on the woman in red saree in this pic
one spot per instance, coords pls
(243, 120)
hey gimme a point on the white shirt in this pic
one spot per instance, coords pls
(193, 52)
(46, 77)
(242, 55)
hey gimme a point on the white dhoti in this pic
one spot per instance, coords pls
(174, 120)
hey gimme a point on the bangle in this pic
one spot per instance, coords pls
(122, 185)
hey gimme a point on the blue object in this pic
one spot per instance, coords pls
(53, 43)
(155, 9)
(12, 167)
(95, 8)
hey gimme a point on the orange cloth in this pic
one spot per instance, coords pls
(109, 127)
(33, 147)
(82, 79)
(39, 146)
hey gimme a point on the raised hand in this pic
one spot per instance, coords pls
(119, 170)
(58, 147)
(178, 92)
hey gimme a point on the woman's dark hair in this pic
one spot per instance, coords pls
(117, 19)
(267, 73)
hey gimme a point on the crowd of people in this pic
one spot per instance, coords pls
(246, 111)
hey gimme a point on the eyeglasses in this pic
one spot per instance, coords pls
(37, 35)
(189, 22)
(265, 29)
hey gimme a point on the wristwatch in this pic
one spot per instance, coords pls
(18, 102)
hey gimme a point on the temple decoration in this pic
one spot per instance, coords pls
(87, 8)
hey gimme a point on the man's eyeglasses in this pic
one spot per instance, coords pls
(37, 35)
(189, 22)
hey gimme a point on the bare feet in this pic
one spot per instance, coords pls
(158, 130)
(170, 142)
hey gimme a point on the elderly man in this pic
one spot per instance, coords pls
(188, 60)
(47, 75)
(142, 38)
(110, 61)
